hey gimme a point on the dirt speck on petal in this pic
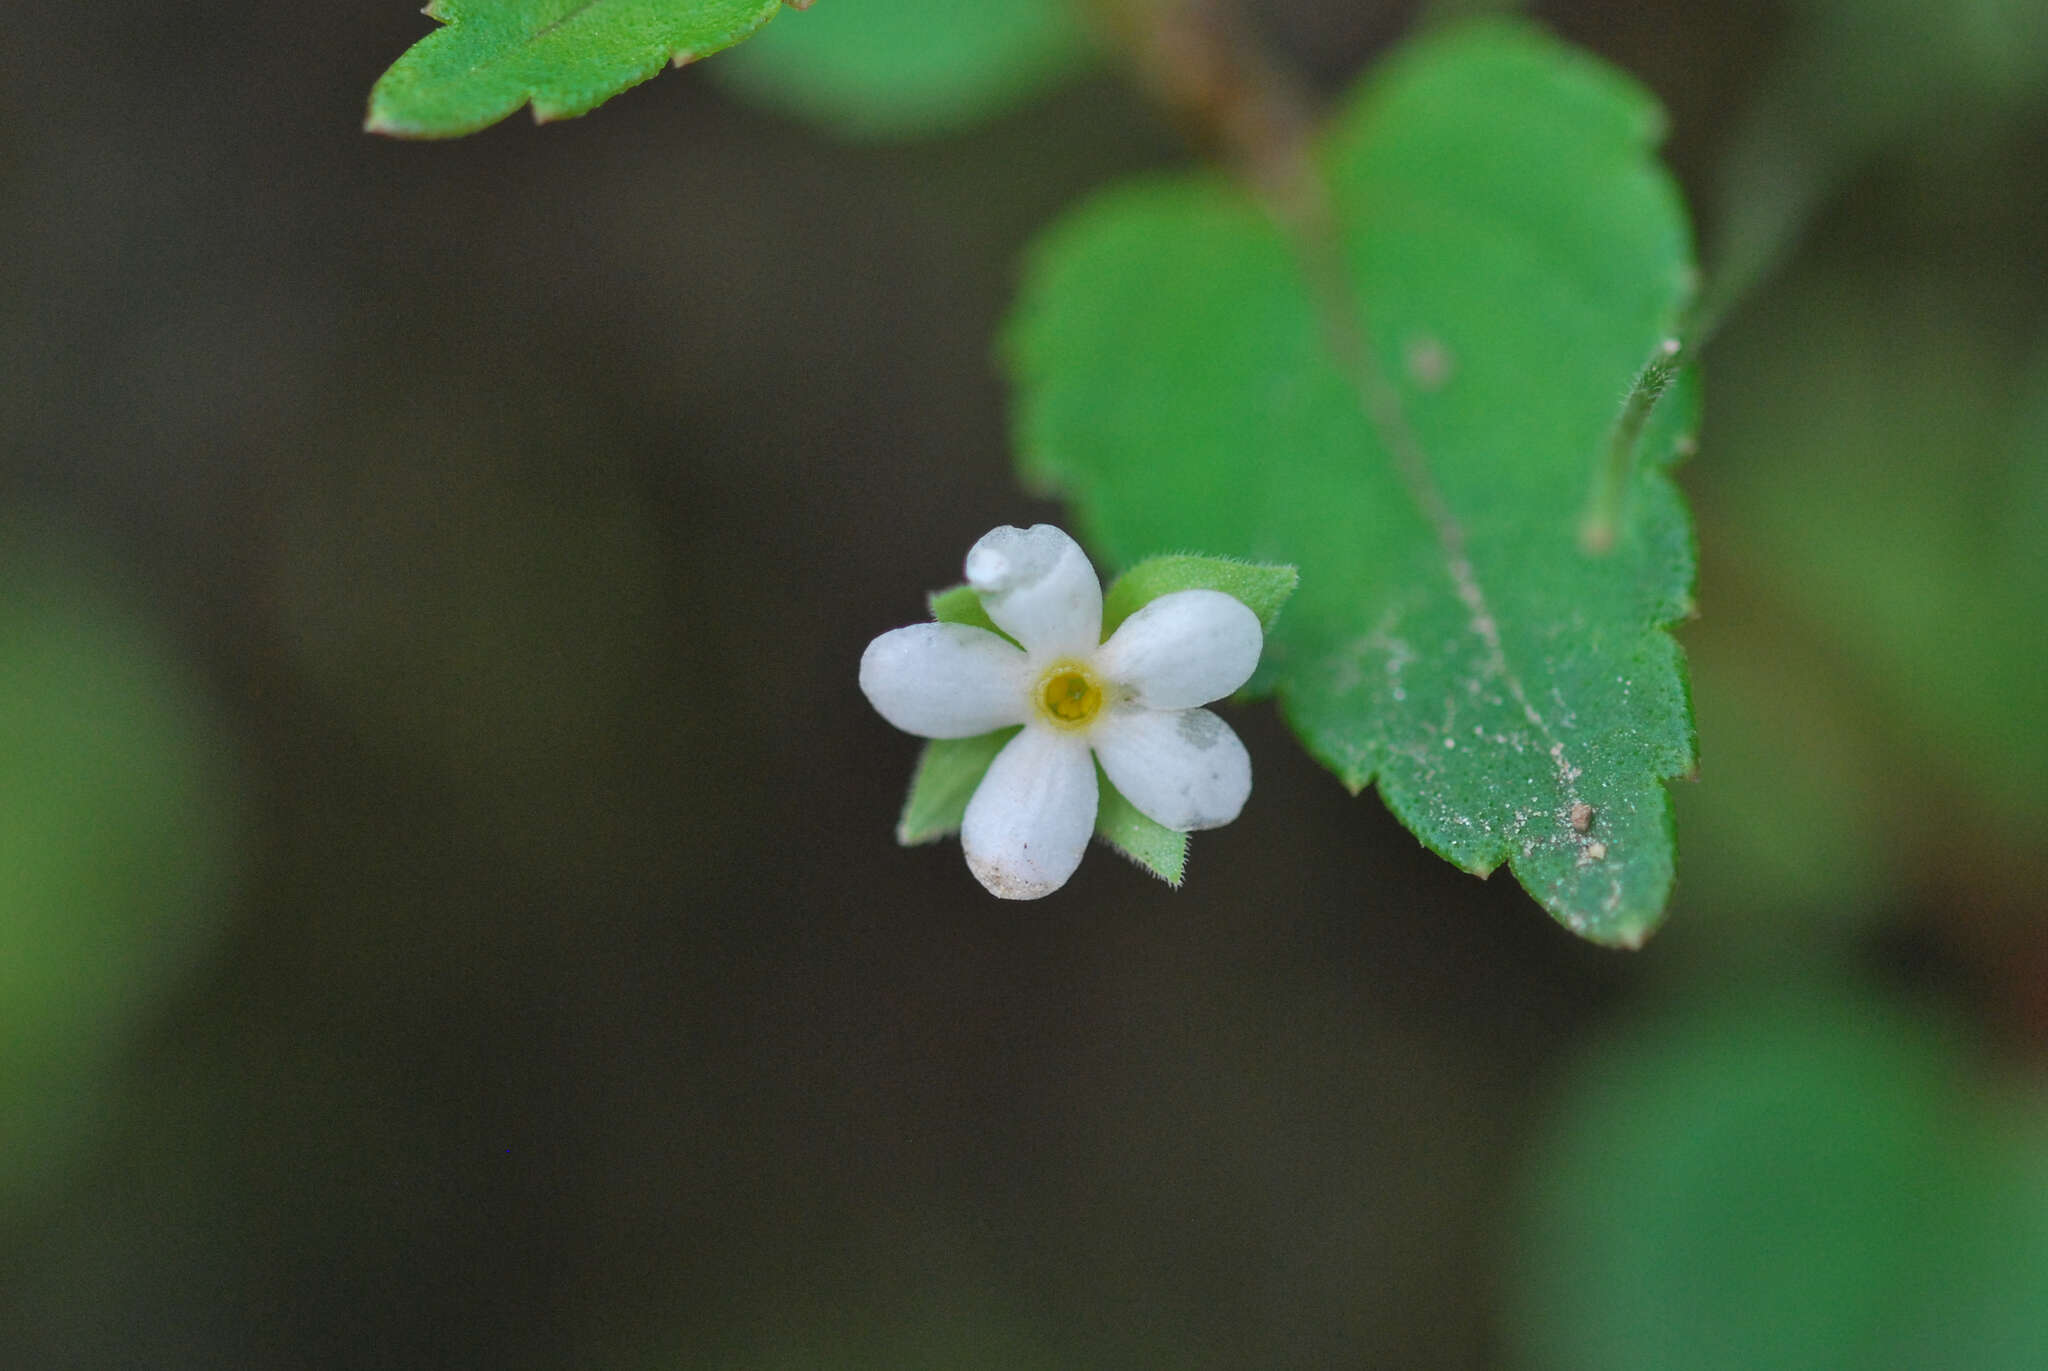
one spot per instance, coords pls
(1005, 884)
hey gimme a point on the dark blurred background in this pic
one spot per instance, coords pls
(448, 909)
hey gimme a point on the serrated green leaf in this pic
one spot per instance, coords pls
(1518, 253)
(1262, 588)
(901, 68)
(565, 57)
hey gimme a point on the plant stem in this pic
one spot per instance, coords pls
(1196, 60)
(1793, 149)
(1611, 480)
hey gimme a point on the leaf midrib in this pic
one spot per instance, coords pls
(1316, 237)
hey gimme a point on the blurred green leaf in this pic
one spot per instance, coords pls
(1877, 517)
(901, 68)
(1805, 1179)
(2023, 504)
(564, 57)
(1517, 253)
(1891, 64)
(1785, 830)
(117, 837)
(1852, 79)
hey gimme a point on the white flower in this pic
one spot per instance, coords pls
(1131, 702)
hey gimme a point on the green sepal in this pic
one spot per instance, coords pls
(1151, 845)
(961, 605)
(1261, 586)
(948, 770)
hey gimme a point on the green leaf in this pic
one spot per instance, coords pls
(1513, 253)
(1785, 837)
(1979, 55)
(1802, 1180)
(1850, 80)
(901, 68)
(119, 838)
(1873, 717)
(565, 57)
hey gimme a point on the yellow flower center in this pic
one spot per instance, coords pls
(1069, 695)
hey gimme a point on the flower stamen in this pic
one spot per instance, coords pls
(1069, 695)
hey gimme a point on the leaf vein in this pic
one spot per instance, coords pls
(1348, 333)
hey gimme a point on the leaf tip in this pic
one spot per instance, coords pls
(1175, 874)
(1629, 937)
(380, 121)
(914, 830)
(1626, 931)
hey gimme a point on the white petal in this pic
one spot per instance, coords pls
(945, 680)
(1183, 768)
(1030, 818)
(1037, 585)
(1182, 649)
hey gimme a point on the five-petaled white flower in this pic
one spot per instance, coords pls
(1131, 702)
